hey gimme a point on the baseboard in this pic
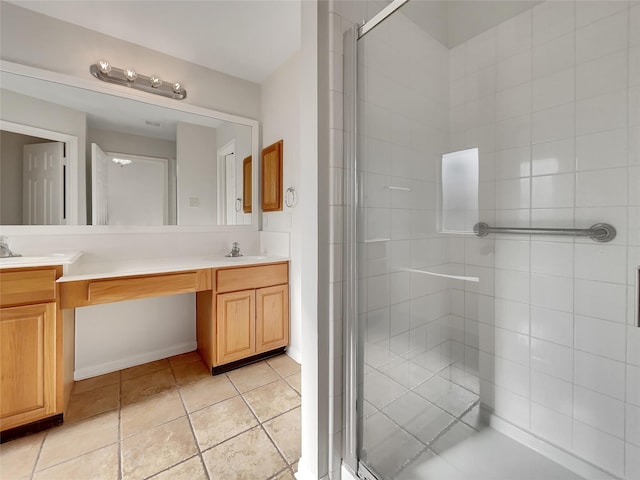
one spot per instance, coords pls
(305, 473)
(346, 473)
(556, 454)
(121, 363)
(295, 354)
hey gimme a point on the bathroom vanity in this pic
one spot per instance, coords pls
(242, 315)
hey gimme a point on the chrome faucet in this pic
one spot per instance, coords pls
(5, 251)
(235, 250)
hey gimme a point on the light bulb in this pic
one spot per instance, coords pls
(130, 74)
(177, 87)
(155, 81)
(104, 66)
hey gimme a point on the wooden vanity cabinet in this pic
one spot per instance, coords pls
(31, 387)
(252, 313)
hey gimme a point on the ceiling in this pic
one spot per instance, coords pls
(249, 39)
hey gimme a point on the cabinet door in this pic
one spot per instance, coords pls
(235, 326)
(272, 318)
(27, 364)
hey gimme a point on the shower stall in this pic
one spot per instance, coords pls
(492, 240)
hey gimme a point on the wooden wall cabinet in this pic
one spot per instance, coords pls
(31, 386)
(246, 185)
(271, 176)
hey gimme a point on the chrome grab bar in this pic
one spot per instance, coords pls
(600, 232)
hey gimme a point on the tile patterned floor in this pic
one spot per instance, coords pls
(171, 419)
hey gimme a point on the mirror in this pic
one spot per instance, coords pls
(76, 153)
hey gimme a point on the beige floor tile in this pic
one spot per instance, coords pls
(272, 399)
(98, 465)
(95, 382)
(285, 432)
(192, 469)
(93, 402)
(247, 456)
(185, 358)
(156, 449)
(18, 457)
(189, 372)
(294, 381)
(137, 388)
(217, 423)
(75, 439)
(252, 376)
(207, 392)
(284, 365)
(150, 412)
(285, 475)
(144, 369)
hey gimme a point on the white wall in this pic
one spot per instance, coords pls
(70, 49)
(280, 121)
(196, 147)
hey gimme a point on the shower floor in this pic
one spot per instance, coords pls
(422, 419)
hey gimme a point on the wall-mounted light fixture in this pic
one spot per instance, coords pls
(128, 77)
(122, 161)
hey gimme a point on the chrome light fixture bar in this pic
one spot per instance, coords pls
(128, 77)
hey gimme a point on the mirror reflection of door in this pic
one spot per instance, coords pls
(129, 189)
(43, 184)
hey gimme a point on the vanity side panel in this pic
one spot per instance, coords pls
(206, 326)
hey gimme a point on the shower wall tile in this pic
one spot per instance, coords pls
(601, 113)
(553, 157)
(633, 385)
(552, 392)
(606, 263)
(600, 299)
(553, 124)
(552, 325)
(633, 424)
(552, 191)
(514, 36)
(604, 36)
(600, 374)
(632, 461)
(603, 75)
(589, 12)
(552, 20)
(552, 292)
(552, 258)
(554, 56)
(602, 188)
(551, 425)
(600, 337)
(552, 359)
(554, 89)
(599, 411)
(599, 447)
(602, 150)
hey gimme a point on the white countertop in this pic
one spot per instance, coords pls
(123, 268)
(44, 260)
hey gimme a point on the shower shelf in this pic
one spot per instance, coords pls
(443, 275)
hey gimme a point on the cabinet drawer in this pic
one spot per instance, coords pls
(244, 278)
(92, 292)
(27, 286)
